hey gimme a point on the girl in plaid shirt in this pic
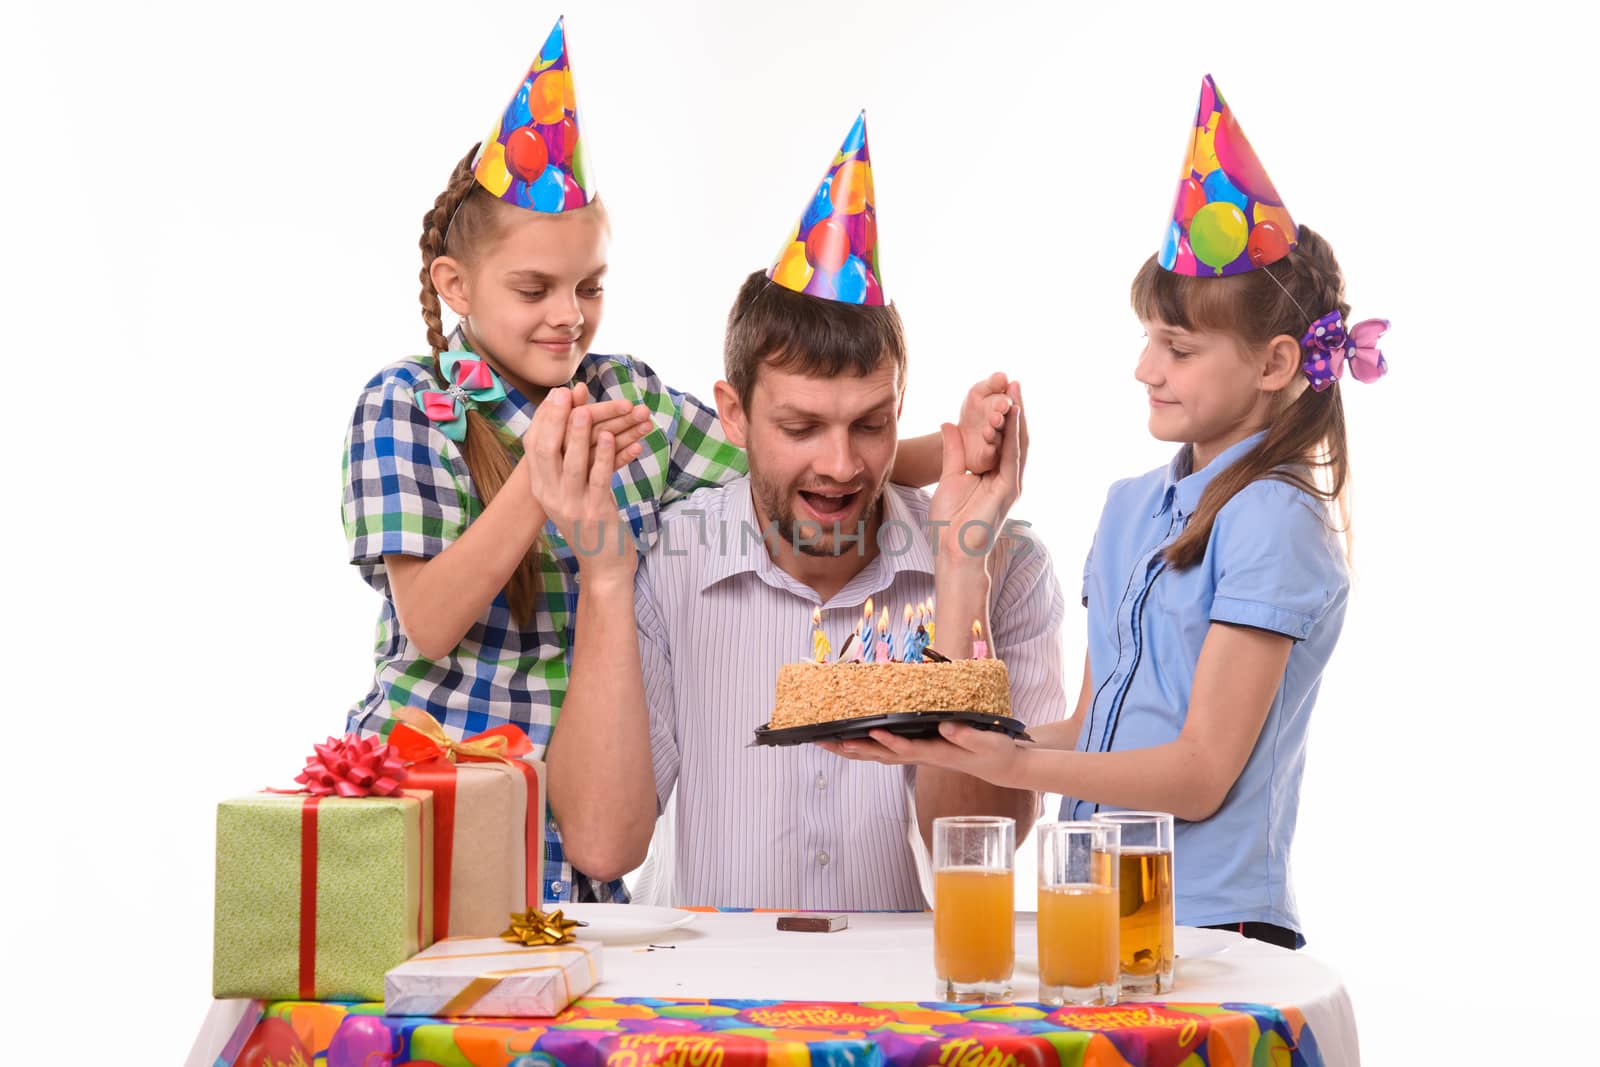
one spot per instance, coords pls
(479, 589)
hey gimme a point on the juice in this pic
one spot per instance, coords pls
(1078, 936)
(1146, 914)
(972, 925)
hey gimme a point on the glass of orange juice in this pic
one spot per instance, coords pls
(973, 942)
(1144, 891)
(1078, 922)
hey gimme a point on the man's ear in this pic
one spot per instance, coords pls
(1282, 364)
(450, 282)
(731, 411)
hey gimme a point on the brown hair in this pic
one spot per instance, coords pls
(773, 326)
(1305, 442)
(462, 219)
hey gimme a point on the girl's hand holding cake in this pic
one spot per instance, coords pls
(980, 753)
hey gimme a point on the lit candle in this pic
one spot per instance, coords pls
(884, 653)
(863, 652)
(930, 620)
(820, 649)
(980, 647)
(918, 640)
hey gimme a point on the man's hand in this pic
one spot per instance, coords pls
(964, 497)
(573, 483)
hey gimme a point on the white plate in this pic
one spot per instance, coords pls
(623, 923)
(1194, 942)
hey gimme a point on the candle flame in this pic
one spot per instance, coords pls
(816, 616)
(977, 629)
(908, 614)
(883, 622)
(866, 612)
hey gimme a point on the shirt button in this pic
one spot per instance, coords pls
(821, 782)
(556, 889)
(822, 859)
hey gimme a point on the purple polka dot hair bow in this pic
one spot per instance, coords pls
(1328, 346)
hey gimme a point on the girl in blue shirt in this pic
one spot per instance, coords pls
(1216, 585)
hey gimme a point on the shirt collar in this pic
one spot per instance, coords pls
(738, 547)
(1184, 485)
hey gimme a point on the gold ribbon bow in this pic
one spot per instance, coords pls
(534, 927)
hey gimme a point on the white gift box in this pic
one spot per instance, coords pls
(472, 976)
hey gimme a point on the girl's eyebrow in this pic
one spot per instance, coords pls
(542, 278)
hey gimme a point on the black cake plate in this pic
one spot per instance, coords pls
(904, 724)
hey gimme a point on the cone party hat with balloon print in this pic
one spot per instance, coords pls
(1227, 218)
(833, 251)
(534, 156)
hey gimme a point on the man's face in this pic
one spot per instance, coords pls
(820, 452)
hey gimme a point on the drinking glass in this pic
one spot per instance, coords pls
(1078, 921)
(1144, 893)
(974, 946)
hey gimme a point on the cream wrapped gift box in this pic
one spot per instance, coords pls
(488, 804)
(488, 976)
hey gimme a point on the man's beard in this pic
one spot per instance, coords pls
(809, 536)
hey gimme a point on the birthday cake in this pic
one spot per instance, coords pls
(810, 693)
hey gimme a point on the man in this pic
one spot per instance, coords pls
(675, 666)
(676, 671)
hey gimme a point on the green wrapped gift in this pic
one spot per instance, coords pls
(318, 896)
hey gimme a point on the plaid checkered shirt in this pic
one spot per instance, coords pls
(407, 492)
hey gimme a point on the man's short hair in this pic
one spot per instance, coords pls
(773, 326)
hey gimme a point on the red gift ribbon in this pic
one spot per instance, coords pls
(431, 755)
(308, 898)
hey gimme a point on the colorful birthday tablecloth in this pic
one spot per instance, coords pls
(641, 1031)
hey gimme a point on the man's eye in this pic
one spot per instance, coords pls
(591, 291)
(531, 294)
(797, 431)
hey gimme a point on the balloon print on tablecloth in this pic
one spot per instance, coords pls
(1227, 217)
(534, 157)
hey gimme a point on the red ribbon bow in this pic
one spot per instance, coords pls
(352, 766)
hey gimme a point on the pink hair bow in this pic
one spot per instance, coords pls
(1328, 346)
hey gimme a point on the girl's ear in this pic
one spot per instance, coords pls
(450, 282)
(734, 421)
(1282, 364)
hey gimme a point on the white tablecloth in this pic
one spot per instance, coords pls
(890, 957)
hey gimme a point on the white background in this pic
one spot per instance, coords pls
(212, 216)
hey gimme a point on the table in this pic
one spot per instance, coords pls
(876, 978)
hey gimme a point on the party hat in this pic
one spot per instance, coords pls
(534, 156)
(1227, 218)
(833, 251)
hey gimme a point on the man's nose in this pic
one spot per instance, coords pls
(838, 461)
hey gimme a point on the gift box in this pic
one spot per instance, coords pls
(470, 976)
(488, 804)
(319, 896)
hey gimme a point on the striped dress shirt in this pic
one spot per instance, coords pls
(797, 827)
